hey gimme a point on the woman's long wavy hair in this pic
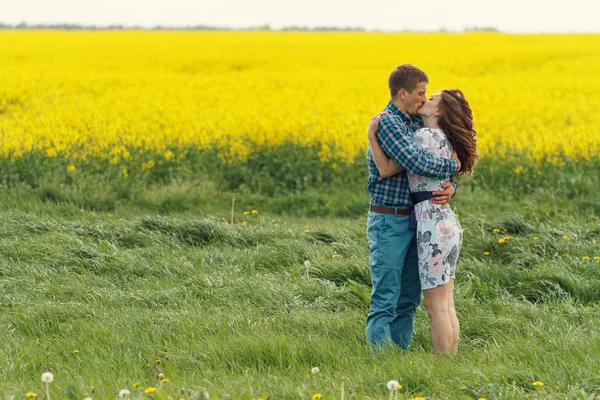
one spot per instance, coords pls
(456, 120)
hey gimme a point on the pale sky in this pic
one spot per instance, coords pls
(390, 15)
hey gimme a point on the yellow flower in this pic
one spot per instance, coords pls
(109, 215)
(136, 384)
(596, 258)
(536, 238)
(182, 258)
(419, 398)
(70, 168)
(75, 351)
(307, 231)
(91, 213)
(31, 394)
(566, 249)
(463, 388)
(486, 253)
(164, 380)
(316, 396)
(565, 237)
(496, 230)
(254, 212)
(226, 222)
(501, 240)
(150, 390)
(82, 210)
(157, 361)
(246, 212)
(482, 398)
(334, 256)
(585, 258)
(244, 222)
(538, 383)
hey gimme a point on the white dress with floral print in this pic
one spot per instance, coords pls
(439, 234)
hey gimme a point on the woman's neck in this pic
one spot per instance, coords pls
(430, 122)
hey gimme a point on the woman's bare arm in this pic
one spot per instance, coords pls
(385, 166)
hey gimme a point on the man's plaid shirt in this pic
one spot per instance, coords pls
(395, 136)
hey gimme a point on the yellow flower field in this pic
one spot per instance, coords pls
(82, 95)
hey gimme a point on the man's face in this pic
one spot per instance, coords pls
(415, 99)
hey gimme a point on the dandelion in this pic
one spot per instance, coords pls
(335, 255)
(81, 210)
(501, 240)
(482, 398)
(157, 361)
(244, 222)
(463, 388)
(181, 258)
(316, 396)
(70, 168)
(31, 394)
(246, 212)
(91, 213)
(566, 237)
(486, 253)
(393, 385)
(536, 238)
(136, 384)
(585, 258)
(596, 258)
(164, 380)
(254, 212)
(538, 383)
(307, 231)
(124, 393)
(47, 377)
(161, 375)
(109, 215)
(419, 398)
(150, 390)
(315, 370)
(496, 230)
(226, 222)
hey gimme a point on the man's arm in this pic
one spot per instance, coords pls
(399, 146)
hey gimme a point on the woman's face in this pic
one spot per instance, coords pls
(430, 108)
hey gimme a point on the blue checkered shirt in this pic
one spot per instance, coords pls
(395, 136)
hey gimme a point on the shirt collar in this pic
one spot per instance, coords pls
(407, 119)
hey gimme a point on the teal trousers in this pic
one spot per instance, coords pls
(396, 291)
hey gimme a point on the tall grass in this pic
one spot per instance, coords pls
(235, 311)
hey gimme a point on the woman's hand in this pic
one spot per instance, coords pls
(373, 125)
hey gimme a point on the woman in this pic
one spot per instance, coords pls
(448, 122)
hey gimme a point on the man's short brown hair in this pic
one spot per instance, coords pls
(407, 77)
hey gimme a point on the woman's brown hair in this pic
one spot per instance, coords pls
(456, 120)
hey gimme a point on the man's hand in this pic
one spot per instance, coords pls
(443, 197)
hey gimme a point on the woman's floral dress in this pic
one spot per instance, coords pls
(439, 234)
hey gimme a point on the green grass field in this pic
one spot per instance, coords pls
(246, 311)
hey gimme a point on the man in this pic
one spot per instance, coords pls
(393, 259)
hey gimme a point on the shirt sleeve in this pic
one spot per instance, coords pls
(397, 144)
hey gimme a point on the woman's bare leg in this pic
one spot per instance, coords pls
(436, 303)
(453, 317)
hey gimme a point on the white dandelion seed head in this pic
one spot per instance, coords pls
(307, 263)
(160, 376)
(315, 370)
(124, 393)
(47, 377)
(393, 385)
